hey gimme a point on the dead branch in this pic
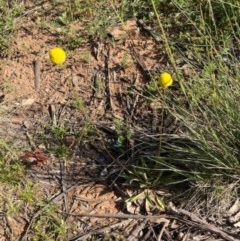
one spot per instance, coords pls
(183, 215)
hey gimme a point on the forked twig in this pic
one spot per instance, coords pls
(134, 234)
(165, 224)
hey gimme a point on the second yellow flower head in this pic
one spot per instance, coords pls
(57, 55)
(165, 80)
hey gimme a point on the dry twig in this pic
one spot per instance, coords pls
(199, 223)
(134, 235)
(37, 73)
(100, 230)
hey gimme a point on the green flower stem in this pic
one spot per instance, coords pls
(167, 46)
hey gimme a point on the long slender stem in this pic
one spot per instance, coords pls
(167, 46)
(161, 126)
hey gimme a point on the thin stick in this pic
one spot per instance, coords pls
(100, 230)
(31, 142)
(52, 111)
(121, 216)
(165, 224)
(37, 73)
(63, 185)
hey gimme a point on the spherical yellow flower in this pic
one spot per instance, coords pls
(57, 55)
(165, 80)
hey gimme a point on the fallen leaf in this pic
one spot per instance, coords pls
(237, 225)
(37, 157)
(235, 207)
(27, 102)
(18, 119)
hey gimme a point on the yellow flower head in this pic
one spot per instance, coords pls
(165, 80)
(57, 55)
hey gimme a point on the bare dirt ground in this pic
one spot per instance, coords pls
(96, 86)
